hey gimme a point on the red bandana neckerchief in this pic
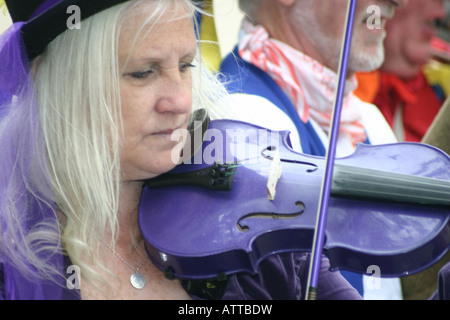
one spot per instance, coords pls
(309, 85)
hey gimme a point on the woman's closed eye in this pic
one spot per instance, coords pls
(141, 74)
(184, 67)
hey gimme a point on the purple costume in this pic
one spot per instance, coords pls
(280, 277)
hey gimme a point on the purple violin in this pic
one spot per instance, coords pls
(247, 195)
(390, 206)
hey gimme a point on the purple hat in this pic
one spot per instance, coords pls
(44, 20)
(23, 161)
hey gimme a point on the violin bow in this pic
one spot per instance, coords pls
(320, 228)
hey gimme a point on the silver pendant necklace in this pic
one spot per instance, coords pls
(137, 280)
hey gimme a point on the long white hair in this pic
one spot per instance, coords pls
(75, 168)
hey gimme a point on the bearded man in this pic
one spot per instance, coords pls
(288, 53)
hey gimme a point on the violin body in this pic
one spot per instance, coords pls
(193, 231)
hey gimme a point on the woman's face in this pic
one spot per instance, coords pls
(156, 94)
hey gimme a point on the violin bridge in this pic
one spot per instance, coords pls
(274, 176)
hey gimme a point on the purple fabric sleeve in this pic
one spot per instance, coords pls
(443, 292)
(444, 283)
(283, 277)
(280, 277)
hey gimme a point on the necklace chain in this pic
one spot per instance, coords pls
(137, 280)
(120, 257)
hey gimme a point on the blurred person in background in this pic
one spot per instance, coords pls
(401, 88)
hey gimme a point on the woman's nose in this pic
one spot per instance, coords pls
(175, 94)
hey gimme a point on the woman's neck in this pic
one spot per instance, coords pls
(128, 212)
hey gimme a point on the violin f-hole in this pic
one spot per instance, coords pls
(273, 216)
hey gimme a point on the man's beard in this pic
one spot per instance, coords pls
(330, 47)
(360, 60)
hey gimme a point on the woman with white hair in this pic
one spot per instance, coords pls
(90, 95)
(91, 92)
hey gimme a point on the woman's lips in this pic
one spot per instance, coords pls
(165, 132)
